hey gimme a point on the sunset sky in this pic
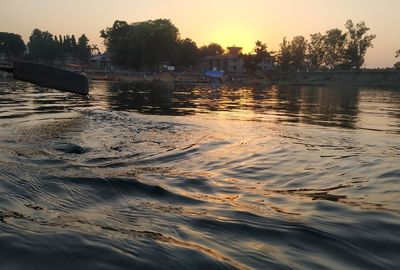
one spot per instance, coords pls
(226, 22)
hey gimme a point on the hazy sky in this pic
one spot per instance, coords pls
(226, 22)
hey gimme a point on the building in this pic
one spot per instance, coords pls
(101, 61)
(229, 63)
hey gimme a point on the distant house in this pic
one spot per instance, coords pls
(229, 63)
(101, 61)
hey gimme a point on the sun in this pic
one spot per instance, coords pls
(237, 35)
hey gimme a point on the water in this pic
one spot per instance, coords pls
(199, 177)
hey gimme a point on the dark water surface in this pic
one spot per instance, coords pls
(199, 177)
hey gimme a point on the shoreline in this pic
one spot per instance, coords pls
(378, 78)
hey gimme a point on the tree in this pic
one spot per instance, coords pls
(285, 55)
(141, 44)
(11, 44)
(46, 47)
(397, 64)
(335, 42)
(260, 53)
(316, 50)
(298, 49)
(211, 50)
(94, 49)
(357, 44)
(187, 53)
(83, 49)
(116, 42)
(42, 46)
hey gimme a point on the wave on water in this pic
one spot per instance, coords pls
(86, 184)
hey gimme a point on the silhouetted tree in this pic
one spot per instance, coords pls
(73, 42)
(11, 44)
(285, 55)
(335, 42)
(83, 48)
(42, 46)
(397, 64)
(298, 49)
(260, 53)
(69, 44)
(187, 53)
(141, 44)
(211, 50)
(316, 50)
(357, 44)
(116, 41)
(94, 49)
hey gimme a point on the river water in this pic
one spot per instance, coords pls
(147, 176)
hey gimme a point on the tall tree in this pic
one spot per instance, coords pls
(261, 52)
(285, 55)
(298, 52)
(357, 44)
(83, 48)
(11, 44)
(42, 46)
(316, 51)
(397, 64)
(116, 41)
(73, 42)
(141, 44)
(335, 41)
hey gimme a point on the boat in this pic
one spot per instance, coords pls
(214, 74)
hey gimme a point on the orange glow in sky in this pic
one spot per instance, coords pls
(226, 22)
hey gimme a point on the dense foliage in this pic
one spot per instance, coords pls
(334, 50)
(11, 44)
(45, 46)
(211, 50)
(148, 44)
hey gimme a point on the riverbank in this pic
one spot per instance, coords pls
(385, 78)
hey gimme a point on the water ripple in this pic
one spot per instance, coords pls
(153, 176)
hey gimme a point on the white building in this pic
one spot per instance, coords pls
(229, 63)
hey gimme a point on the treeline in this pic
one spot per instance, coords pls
(149, 43)
(145, 45)
(43, 45)
(333, 50)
